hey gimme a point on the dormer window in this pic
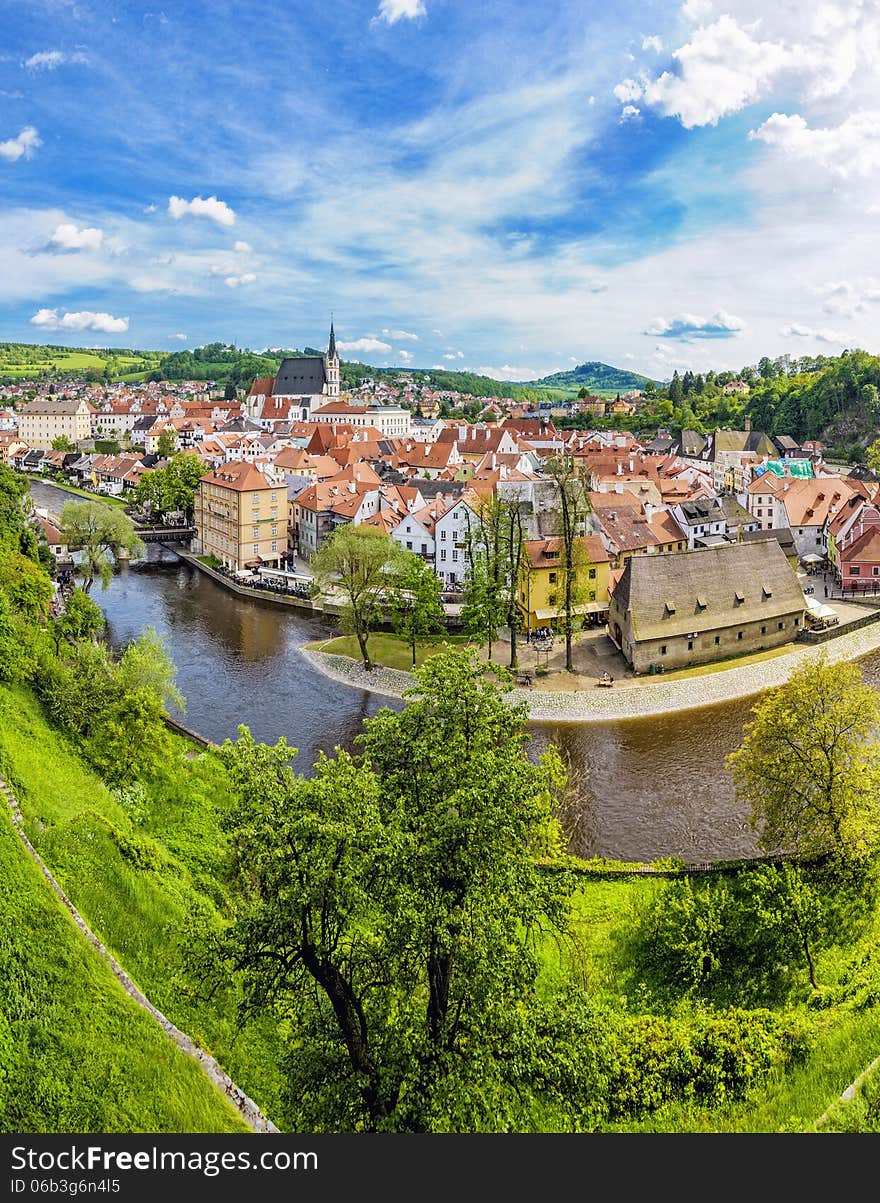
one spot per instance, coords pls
(738, 598)
(669, 609)
(701, 603)
(766, 592)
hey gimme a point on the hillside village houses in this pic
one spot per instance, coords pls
(296, 457)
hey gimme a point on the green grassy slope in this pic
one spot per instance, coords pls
(139, 869)
(76, 1053)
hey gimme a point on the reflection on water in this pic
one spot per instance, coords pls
(650, 787)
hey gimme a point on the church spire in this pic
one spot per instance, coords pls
(331, 350)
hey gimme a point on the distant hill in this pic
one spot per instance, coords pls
(597, 377)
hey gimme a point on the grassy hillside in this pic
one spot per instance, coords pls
(23, 361)
(76, 1053)
(143, 865)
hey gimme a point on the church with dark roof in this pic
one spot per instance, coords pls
(302, 384)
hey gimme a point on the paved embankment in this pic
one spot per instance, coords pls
(641, 700)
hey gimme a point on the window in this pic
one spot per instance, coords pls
(663, 650)
(256, 532)
(552, 578)
(274, 496)
(424, 549)
(256, 549)
(739, 634)
(717, 640)
(592, 574)
(552, 599)
(690, 645)
(763, 630)
(274, 545)
(591, 596)
(780, 626)
(797, 622)
(442, 536)
(855, 570)
(454, 554)
(443, 554)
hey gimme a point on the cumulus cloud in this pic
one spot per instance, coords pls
(238, 281)
(103, 323)
(687, 326)
(365, 345)
(405, 357)
(202, 206)
(849, 149)
(797, 330)
(180, 337)
(629, 112)
(401, 335)
(243, 248)
(50, 60)
(696, 10)
(22, 146)
(69, 237)
(392, 11)
(628, 89)
(722, 69)
(652, 43)
(846, 299)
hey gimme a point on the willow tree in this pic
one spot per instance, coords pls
(809, 763)
(572, 500)
(103, 533)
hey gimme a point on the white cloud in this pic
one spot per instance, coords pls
(849, 149)
(243, 248)
(439, 333)
(629, 89)
(507, 372)
(149, 208)
(449, 357)
(686, 326)
(797, 330)
(365, 345)
(237, 281)
(401, 335)
(201, 206)
(69, 237)
(405, 356)
(696, 10)
(652, 43)
(629, 112)
(847, 300)
(393, 10)
(180, 337)
(723, 69)
(50, 60)
(104, 323)
(22, 146)
(437, 367)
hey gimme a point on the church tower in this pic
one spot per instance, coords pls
(331, 360)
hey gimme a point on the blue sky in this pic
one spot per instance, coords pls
(505, 187)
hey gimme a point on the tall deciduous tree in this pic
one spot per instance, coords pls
(809, 764)
(389, 906)
(166, 444)
(173, 487)
(416, 609)
(572, 507)
(80, 619)
(360, 563)
(103, 533)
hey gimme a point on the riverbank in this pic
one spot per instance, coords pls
(650, 699)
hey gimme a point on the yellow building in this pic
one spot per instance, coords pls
(240, 517)
(42, 421)
(542, 588)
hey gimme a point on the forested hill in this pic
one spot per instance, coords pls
(595, 376)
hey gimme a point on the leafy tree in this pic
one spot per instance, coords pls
(484, 609)
(13, 500)
(573, 506)
(26, 585)
(872, 457)
(360, 563)
(166, 490)
(809, 766)
(81, 619)
(416, 609)
(63, 443)
(389, 905)
(166, 444)
(103, 533)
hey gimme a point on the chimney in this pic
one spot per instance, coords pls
(618, 487)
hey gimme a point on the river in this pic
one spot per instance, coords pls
(649, 788)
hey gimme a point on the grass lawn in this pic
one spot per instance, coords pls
(389, 650)
(76, 1053)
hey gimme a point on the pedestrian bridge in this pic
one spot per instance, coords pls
(166, 534)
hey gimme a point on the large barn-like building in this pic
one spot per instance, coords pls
(671, 611)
